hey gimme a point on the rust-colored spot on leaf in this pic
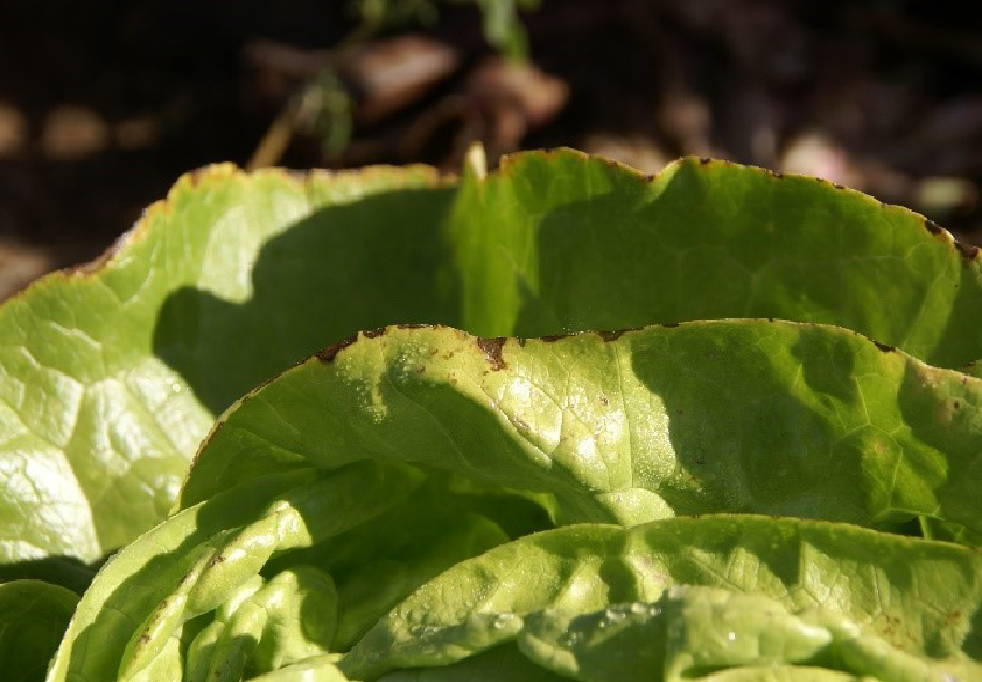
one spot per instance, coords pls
(521, 341)
(328, 354)
(603, 399)
(415, 325)
(967, 250)
(492, 350)
(611, 336)
(552, 337)
(372, 333)
(932, 226)
(704, 161)
(884, 347)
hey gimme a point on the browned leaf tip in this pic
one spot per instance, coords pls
(967, 250)
(612, 335)
(492, 350)
(328, 354)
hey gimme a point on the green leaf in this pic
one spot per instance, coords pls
(33, 617)
(744, 416)
(110, 376)
(692, 630)
(377, 563)
(318, 669)
(781, 673)
(198, 561)
(689, 629)
(852, 586)
(221, 579)
(561, 242)
(376, 462)
(139, 578)
(494, 665)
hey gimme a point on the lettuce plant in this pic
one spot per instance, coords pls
(575, 423)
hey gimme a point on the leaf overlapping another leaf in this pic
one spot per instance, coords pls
(110, 378)
(746, 416)
(458, 417)
(369, 481)
(879, 581)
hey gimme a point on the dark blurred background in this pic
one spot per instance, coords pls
(104, 103)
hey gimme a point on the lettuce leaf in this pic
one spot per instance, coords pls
(111, 375)
(750, 483)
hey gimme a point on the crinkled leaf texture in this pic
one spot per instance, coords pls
(407, 471)
(779, 418)
(797, 594)
(110, 376)
(682, 501)
(576, 597)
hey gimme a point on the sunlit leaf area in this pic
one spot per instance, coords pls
(488, 340)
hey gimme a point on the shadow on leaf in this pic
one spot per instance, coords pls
(376, 261)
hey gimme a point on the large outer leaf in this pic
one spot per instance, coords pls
(750, 416)
(559, 242)
(109, 378)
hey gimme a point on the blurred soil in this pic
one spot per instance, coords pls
(103, 104)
